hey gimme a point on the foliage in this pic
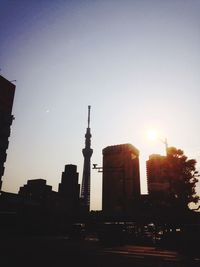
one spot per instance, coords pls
(182, 176)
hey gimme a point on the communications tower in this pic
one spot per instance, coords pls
(87, 153)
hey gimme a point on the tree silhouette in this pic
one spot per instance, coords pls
(182, 176)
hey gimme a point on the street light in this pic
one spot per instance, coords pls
(100, 169)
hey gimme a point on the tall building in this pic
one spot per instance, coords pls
(157, 181)
(121, 178)
(7, 91)
(38, 196)
(87, 153)
(69, 189)
(36, 190)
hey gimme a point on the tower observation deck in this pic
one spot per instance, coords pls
(87, 153)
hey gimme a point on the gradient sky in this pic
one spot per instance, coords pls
(137, 63)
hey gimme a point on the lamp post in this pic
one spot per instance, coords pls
(100, 169)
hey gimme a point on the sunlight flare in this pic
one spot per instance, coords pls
(152, 134)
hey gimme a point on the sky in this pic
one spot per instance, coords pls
(136, 62)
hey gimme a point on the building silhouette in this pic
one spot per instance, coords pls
(7, 91)
(38, 196)
(157, 181)
(9, 202)
(87, 153)
(69, 190)
(121, 179)
(35, 189)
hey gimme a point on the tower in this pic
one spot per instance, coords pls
(7, 91)
(87, 153)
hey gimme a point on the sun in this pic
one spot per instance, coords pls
(152, 134)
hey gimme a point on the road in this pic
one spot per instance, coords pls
(59, 251)
(147, 256)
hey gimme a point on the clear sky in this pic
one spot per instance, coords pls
(137, 63)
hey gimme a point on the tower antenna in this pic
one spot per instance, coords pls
(89, 107)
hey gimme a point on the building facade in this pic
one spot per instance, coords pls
(157, 181)
(7, 91)
(69, 190)
(36, 190)
(121, 179)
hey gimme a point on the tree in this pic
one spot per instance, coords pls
(182, 176)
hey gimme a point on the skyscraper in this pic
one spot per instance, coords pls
(157, 181)
(7, 91)
(121, 178)
(69, 189)
(87, 153)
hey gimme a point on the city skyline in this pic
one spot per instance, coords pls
(135, 62)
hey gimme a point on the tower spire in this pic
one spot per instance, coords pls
(89, 107)
(87, 153)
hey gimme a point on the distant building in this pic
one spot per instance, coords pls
(7, 91)
(157, 181)
(37, 209)
(36, 190)
(69, 190)
(121, 178)
(9, 202)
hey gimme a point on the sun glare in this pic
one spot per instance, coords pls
(152, 134)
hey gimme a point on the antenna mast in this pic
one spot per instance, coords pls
(89, 107)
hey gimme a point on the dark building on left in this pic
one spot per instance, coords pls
(7, 92)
